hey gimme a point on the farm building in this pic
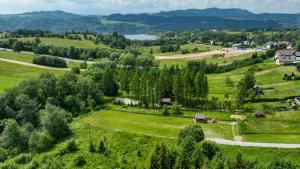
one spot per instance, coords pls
(239, 46)
(199, 118)
(287, 57)
(259, 114)
(165, 101)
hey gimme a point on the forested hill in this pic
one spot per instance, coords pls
(212, 18)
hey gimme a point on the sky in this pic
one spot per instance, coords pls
(104, 7)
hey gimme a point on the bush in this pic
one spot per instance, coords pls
(102, 148)
(165, 111)
(32, 165)
(83, 65)
(280, 164)
(91, 147)
(9, 165)
(71, 146)
(23, 159)
(3, 154)
(52, 61)
(193, 131)
(75, 69)
(40, 141)
(176, 109)
(209, 149)
(79, 161)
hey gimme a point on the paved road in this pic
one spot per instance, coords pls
(31, 64)
(252, 144)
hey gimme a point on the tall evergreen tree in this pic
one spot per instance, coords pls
(178, 87)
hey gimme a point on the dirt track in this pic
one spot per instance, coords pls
(31, 64)
(228, 52)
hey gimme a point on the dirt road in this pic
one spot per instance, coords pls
(228, 52)
(31, 64)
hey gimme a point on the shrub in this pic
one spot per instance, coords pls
(280, 164)
(103, 146)
(193, 131)
(83, 65)
(23, 159)
(40, 141)
(3, 154)
(165, 111)
(176, 109)
(75, 69)
(32, 165)
(209, 149)
(49, 162)
(91, 147)
(9, 165)
(79, 161)
(71, 146)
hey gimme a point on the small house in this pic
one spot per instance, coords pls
(199, 118)
(271, 45)
(165, 101)
(259, 114)
(286, 57)
(239, 46)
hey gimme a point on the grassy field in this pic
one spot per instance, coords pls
(12, 74)
(67, 43)
(132, 137)
(23, 57)
(268, 77)
(219, 60)
(151, 125)
(279, 127)
(157, 52)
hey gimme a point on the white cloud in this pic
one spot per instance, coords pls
(140, 6)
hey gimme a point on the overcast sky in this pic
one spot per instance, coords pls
(103, 7)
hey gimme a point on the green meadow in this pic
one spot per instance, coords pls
(190, 46)
(23, 57)
(131, 138)
(12, 74)
(68, 42)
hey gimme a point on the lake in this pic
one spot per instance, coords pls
(141, 37)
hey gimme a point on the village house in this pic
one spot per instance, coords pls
(199, 118)
(279, 45)
(283, 57)
(239, 46)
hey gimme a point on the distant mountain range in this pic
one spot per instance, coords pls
(211, 18)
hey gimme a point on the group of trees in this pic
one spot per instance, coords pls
(52, 61)
(150, 85)
(169, 48)
(36, 113)
(191, 151)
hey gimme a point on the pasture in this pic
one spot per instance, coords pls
(157, 52)
(23, 57)
(12, 74)
(67, 43)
